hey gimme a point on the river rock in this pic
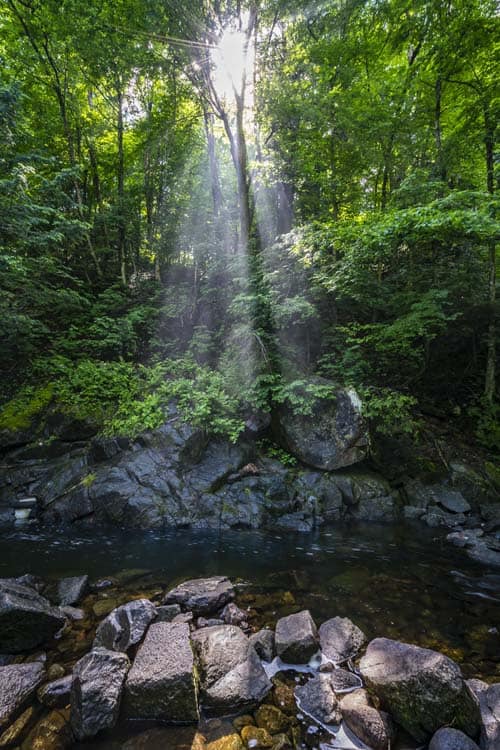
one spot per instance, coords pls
(71, 590)
(420, 688)
(373, 727)
(448, 738)
(125, 625)
(489, 705)
(167, 612)
(18, 683)
(56, 694)
(344, 681)
(332, 436)
(231, 673)
(340, 639)
(96, 691)
(263, 643)
(161, 684)
(202, 596)
(296, 638)
(27, 619)
(233, 615)
(317, 699)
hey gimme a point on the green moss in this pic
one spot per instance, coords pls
(19, 412)
(89, 480)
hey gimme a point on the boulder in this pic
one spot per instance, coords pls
(18, 683)
(125, 625)
(340, 639)
(71, 590)
(231, 673)
(96, 691)
(373, 727)
(448, 738)
(296, 638)
(56, 694)
(420, 688)
(202, 596)
(317, 699)
(332, 435)
(26, 619)
(489, 706)
(263, 643)
(161, 684)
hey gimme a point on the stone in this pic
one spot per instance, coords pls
(71, 590)
(53, 732)
(125, 625)
(344, 681)
(451, 500)
(263, 643)
(317, 699)
(15, 730)
(27, 619)
(271, 718)
(420, 688)
(373, 727)
(340, 639)
(18, 683)
(56, 694)
(228, 742)
(448, 738)
(256, 738)
(437, 516)
(296, 638)
(203, 622)
(55, 671)
(231, 673)
(334, 435)
(96, 691)
(161, 684)
(202, 596)
(489, 706)
(167, 612)
(233, 615)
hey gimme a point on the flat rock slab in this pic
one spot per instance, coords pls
(71, 590)
(422, 689)
(448, 738)
(27, 619)
(96, 691)
(373, 727)
(161, 684)
(18, 682)
(317, 699)
(296, 638)
(202, 596)
(340, 639)
(125, 625)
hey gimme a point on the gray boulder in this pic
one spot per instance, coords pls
(231, 673)
(318, 700)
(340, 639)
(296, 638)
(448, 738)
(26, 619)
(56, 694)
(71, 590)
(420, 688)
(125, 625)
(202, 596)
(96, 691)
(489, 706)
(18, 683)
(373, 727)
(161, 684)
(263, 643)
(333, 435)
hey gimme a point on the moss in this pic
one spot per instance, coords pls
(89, 480)
(493, 472)
(19, 412)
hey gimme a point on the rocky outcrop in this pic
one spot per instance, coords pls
(96, 691)
(202, 596)
(296, 638)
(27, 619)
(161, 684)
(420, 688)
(18, 683)
(125, 625)
(340, 639)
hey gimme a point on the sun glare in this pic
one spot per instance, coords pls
(233, 59)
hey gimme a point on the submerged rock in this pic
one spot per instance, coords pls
(202, 596)
(296, 638)
(125, 625)
(96, 691)
(340, 639)
(56, 694)
(27, 619)
(161, 684)
(373, 727)
(18, 683)
(420, 688)
(448, 738)
(317, 699)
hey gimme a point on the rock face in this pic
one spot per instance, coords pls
(231, 673)
(373, 727)
(202, 596)
(340, 639)
(18, 682)
(332, 436)
(420, 688)
(71, 590)
(448, 738)
(317, 699)
(489, 705)
(161, 684)
(296, 638)
(96, 691)
(125, 625)
(26, 619)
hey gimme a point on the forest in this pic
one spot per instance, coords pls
(233, 204)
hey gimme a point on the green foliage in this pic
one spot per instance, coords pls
(29, 402)
(271, 450)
